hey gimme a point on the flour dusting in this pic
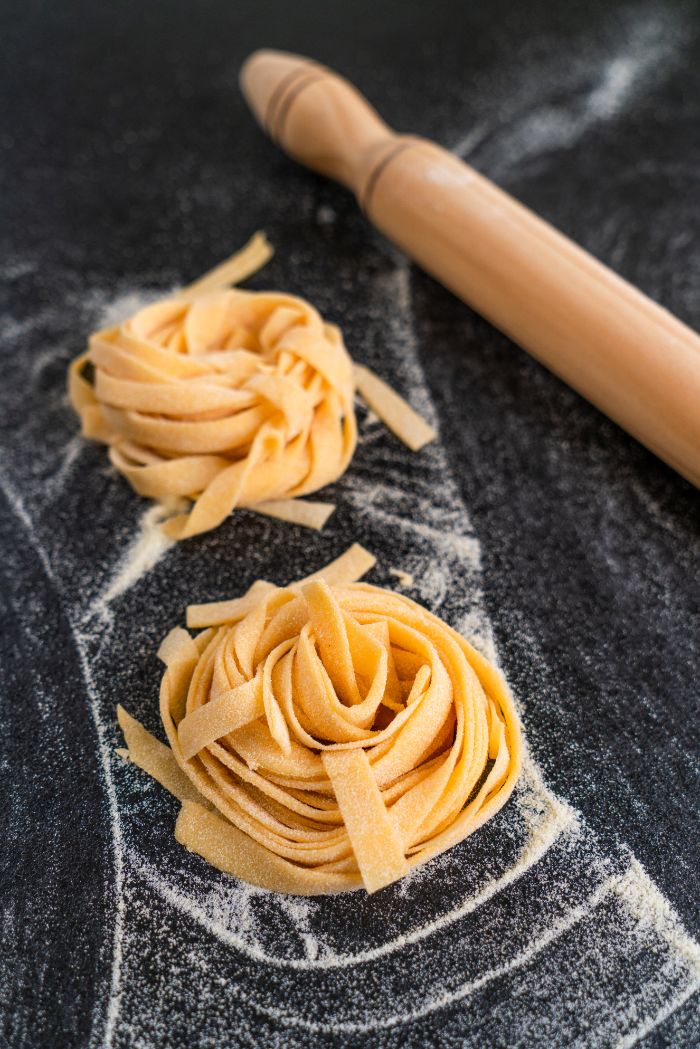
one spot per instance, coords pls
(149, 545)
(532, 899)
(121, 307)
(326, 215)
(526, 126)
(538, 847)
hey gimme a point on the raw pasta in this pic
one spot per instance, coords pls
(327, 735)
(406, 423)
(230, 398)
(227, 397)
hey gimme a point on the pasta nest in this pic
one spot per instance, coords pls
(228, 398)
(334, 735)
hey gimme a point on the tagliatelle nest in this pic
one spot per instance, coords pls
(328, 734)
(228, 398)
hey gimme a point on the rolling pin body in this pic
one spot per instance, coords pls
(627, 355)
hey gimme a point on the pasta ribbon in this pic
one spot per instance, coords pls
(226, 397)
(328, 734)
(230, 398)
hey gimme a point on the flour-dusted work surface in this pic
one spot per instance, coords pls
(565, 550)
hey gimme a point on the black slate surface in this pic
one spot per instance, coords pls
(129, 163)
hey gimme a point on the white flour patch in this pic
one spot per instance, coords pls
(104, 1021)
(17, 503)
(121, 307)
(582, 914)
(45, 358)
(527, 126)
(326, 215)
(393, 289)
(466, 144)
(377, 504)
(14, 328)
(68, 459)
(147, 548)
(15, 269)
(663, 519)
(620, 79)
(652, 910)
(473, 625)
(299, 911)
(223, 908)
(104, 1026)
(656, 1019)
(145, 551)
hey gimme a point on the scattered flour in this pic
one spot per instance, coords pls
(326, 215)
(656, 1018)
(291, 936)
(17, 503)
(149, 545)
(104, 1024)
(224, 910)
(126, 305)
(526, 126)
(68, 459)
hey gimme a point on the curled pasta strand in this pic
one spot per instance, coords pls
(328, 734)
(230, 398)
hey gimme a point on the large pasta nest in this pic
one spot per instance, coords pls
(332, 735)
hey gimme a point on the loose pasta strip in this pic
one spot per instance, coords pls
(298, 511)
(256, 254)
(155, 758)
(328, 734)
(404, 421)
(228, 398)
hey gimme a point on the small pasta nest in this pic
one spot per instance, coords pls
(331, 734)
(231, 399)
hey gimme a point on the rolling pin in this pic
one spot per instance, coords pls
(630, 357)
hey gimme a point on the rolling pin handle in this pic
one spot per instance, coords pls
(317, 117)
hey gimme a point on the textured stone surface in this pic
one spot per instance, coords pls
(130, 164)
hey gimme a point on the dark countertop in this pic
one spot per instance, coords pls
(129, 164)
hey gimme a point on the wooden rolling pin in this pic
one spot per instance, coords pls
(634, 360)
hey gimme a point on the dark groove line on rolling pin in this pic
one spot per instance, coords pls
(276, 97)
(312, 77)
(378, 171)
